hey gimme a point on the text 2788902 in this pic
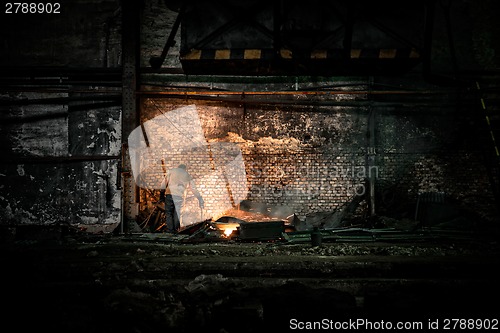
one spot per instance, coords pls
(32, 8)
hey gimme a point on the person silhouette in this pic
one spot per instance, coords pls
(176, 183)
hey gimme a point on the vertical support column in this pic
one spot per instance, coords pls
(130, 114)
(371, 161)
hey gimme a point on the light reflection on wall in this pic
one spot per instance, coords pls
(177, 137)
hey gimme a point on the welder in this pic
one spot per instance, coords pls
(176, 183)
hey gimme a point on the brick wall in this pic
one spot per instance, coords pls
(315, 161)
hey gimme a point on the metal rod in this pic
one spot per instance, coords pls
(296, 92)
(157, 62)
(59, 159)
(60, 100)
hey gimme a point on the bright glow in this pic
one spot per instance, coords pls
(227, 228)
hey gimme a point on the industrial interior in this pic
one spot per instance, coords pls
(345, 156)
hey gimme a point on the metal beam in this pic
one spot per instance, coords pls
(130, 116)
(235, 21)
(157, 62)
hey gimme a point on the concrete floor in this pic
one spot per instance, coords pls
(157, 283)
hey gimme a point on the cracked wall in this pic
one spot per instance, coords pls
(60, 161)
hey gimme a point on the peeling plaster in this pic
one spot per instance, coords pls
(44, 138)
(86, 192)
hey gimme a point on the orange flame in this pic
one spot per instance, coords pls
(227, 228)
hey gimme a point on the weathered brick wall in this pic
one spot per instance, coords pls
(307, 157)
(309, 162)
(433, 152)
(316, 161)
(306, 181)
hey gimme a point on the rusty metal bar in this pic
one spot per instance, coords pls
(442, 108)
(296, 92)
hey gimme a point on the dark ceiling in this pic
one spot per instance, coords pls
(270, 37)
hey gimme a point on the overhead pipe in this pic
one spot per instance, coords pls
(425, 108)
(60, 100)
(61, 74)
(291, 93)
(58, 159)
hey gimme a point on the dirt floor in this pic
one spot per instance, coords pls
(162, 283)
